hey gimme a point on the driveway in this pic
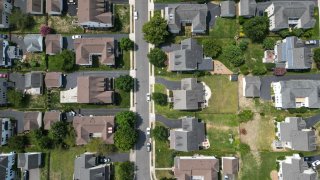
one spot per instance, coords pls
(34, 174)
(71, 8)
(311, 121)
(17, 115)
(118, 157)
(214, 11)
(101, 112)
(311, 159)
(71, 78)
(171, 123)
(171, 85)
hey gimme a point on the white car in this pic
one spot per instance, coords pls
(148, 131)
(135, 15)
(311, 42)
(76, 36)
(148, 97)
(316, 163)
(148, 147)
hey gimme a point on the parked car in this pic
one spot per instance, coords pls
(3, 75)
(311, 42)
(148, 147)
(76, 36)
(148, 131)
(135, 15)
(103, 160)
(148, 97)
(315, 163)
(71, 2)
(3, 36)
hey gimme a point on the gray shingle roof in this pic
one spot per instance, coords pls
(252, 86)
(3, 91)
(189, 136)
(247, 8)
(33, 42)
(29, 160)
(34, 80)
(228, 9)
(3, 165)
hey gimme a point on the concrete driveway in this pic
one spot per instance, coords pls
(34, 174)
(171, 123)
(171, 85)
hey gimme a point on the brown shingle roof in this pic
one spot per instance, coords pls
(31, 120)
(35, 6)
(97, 126)
(53, 79)
(230, 165)
(54, 6)
(53, 44)
(86, 47)
(93, 10)
(51, 117)
(93, 89)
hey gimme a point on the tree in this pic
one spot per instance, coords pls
(157, 57)
(18, 143)
(20, 20)
(125, 171)
(125, 83)
(284, 33)
(126, 119)
(243, 45)
(45, 30)
(64, 61)
(316, 56)
(245, 115)
(211, 48)
(58, 131)
(126, 44)
(234, 55)
(256, 28)
(40, 139)
(99, 146)
(244, 69)
(15, 98)
(268, 43)
(160, 133)
(259, 69)
(160, 98)
(125, 138)
(155, 31)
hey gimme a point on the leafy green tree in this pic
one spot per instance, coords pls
(126, 119)
(125, 138)
(269, 43)
(316, 56)
(243, 45)
(126, 44)
(125, 171)
(160, 98)
(234, 55)
(45, 142)
(58, 131)
(20, 21)
(211, 47)
(160, 133)
(18, 143)
(256, 28)
(244, 69)
(125, 83)
(155, 31)
(245, 115)
(15, 98)
(259, 69)
(157, 57)
(99, 146)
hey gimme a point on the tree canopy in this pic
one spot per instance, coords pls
(256, 28)
(125, 171)
(58, 131)
(126, 44)
(160, 98)
(125, 83)
(316, 56)
(211, 48)
(15, 98)
(126, 119)
(155, 31)
(269, 43)
(157, 57)
(125, 138)
(20, 21)
(234, 55)
(99, 146)
(18, 143)
(160, 133)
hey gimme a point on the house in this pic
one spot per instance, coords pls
(191, 96)
(54, 43)
(8, 53)
(95, 14)
(103, 49)
(90, 89)
(33, 42)
(51, 117)
(230, 168)
(293, 54)
(228, 9)
(32, 120)
(6, 128)
(296, 94)
(247, 8)
(35, 7)
(189, 58)
(294, 134)
(251, 86)
(53, 80)
(6, 9)
(196, 167)
(189, 137)
(3, 91)
(54, 7)
(294, 167)
(88, 127)
(87, 168)
(7, 161)
(34, 83)
(291, 14)
(178, 15)
(29, 160)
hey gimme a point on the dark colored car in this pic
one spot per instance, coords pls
(25, 175)
(3, 36)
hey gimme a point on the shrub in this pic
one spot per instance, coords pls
(45, 30)
(126, 44)
(245, 116)
(243, 45)
(284, 33)
(18, 142)
(269, 43)
(244, 69)
(297, 32)
(244, 148)
(298, 110)
(234, 55)
(160, 98)
(160, 133)
(270, 66)
(308, 33)
(259, 69)
(316, 57)
(211, 47)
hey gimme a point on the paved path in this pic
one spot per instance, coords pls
(171, 123)
(171, 85)
(118, 157)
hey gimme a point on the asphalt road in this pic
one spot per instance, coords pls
(142, 88)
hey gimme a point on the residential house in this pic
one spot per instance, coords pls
(103, 49)
(95, 14)
(54, 44)
(189, 58)
(230, 168)
(29, 160)
(251, 86)
(247, 8)
(33, 42)
(7, 161)
(53, 80)
(8, 53)
(90, 89)
(196, 167)
(88, 127)
(6, 128)
(228, 9)
(32, 120)
(189, 137)
(191, 96)
(6, 9)
(54, 7)
(294, 167)
(35, 7)
(51, 117)
(296, 94)
(3, 91)
(34, 83)
(178, 15)
(86, 167)
(294, 134)
(291, 14)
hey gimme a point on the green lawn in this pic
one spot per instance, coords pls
(164, 174)
(164, 155)
(315, 30)
(253, 55)
(230, 120)
(224, 28)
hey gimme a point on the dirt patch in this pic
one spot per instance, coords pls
(274, 175)
(219, 68)
(252, 128)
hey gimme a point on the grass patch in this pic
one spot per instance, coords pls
(230, 120)
(315, 30)
(164, 174)
(224, 28)
(220, 140)
(253, 55)
(164, 155)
